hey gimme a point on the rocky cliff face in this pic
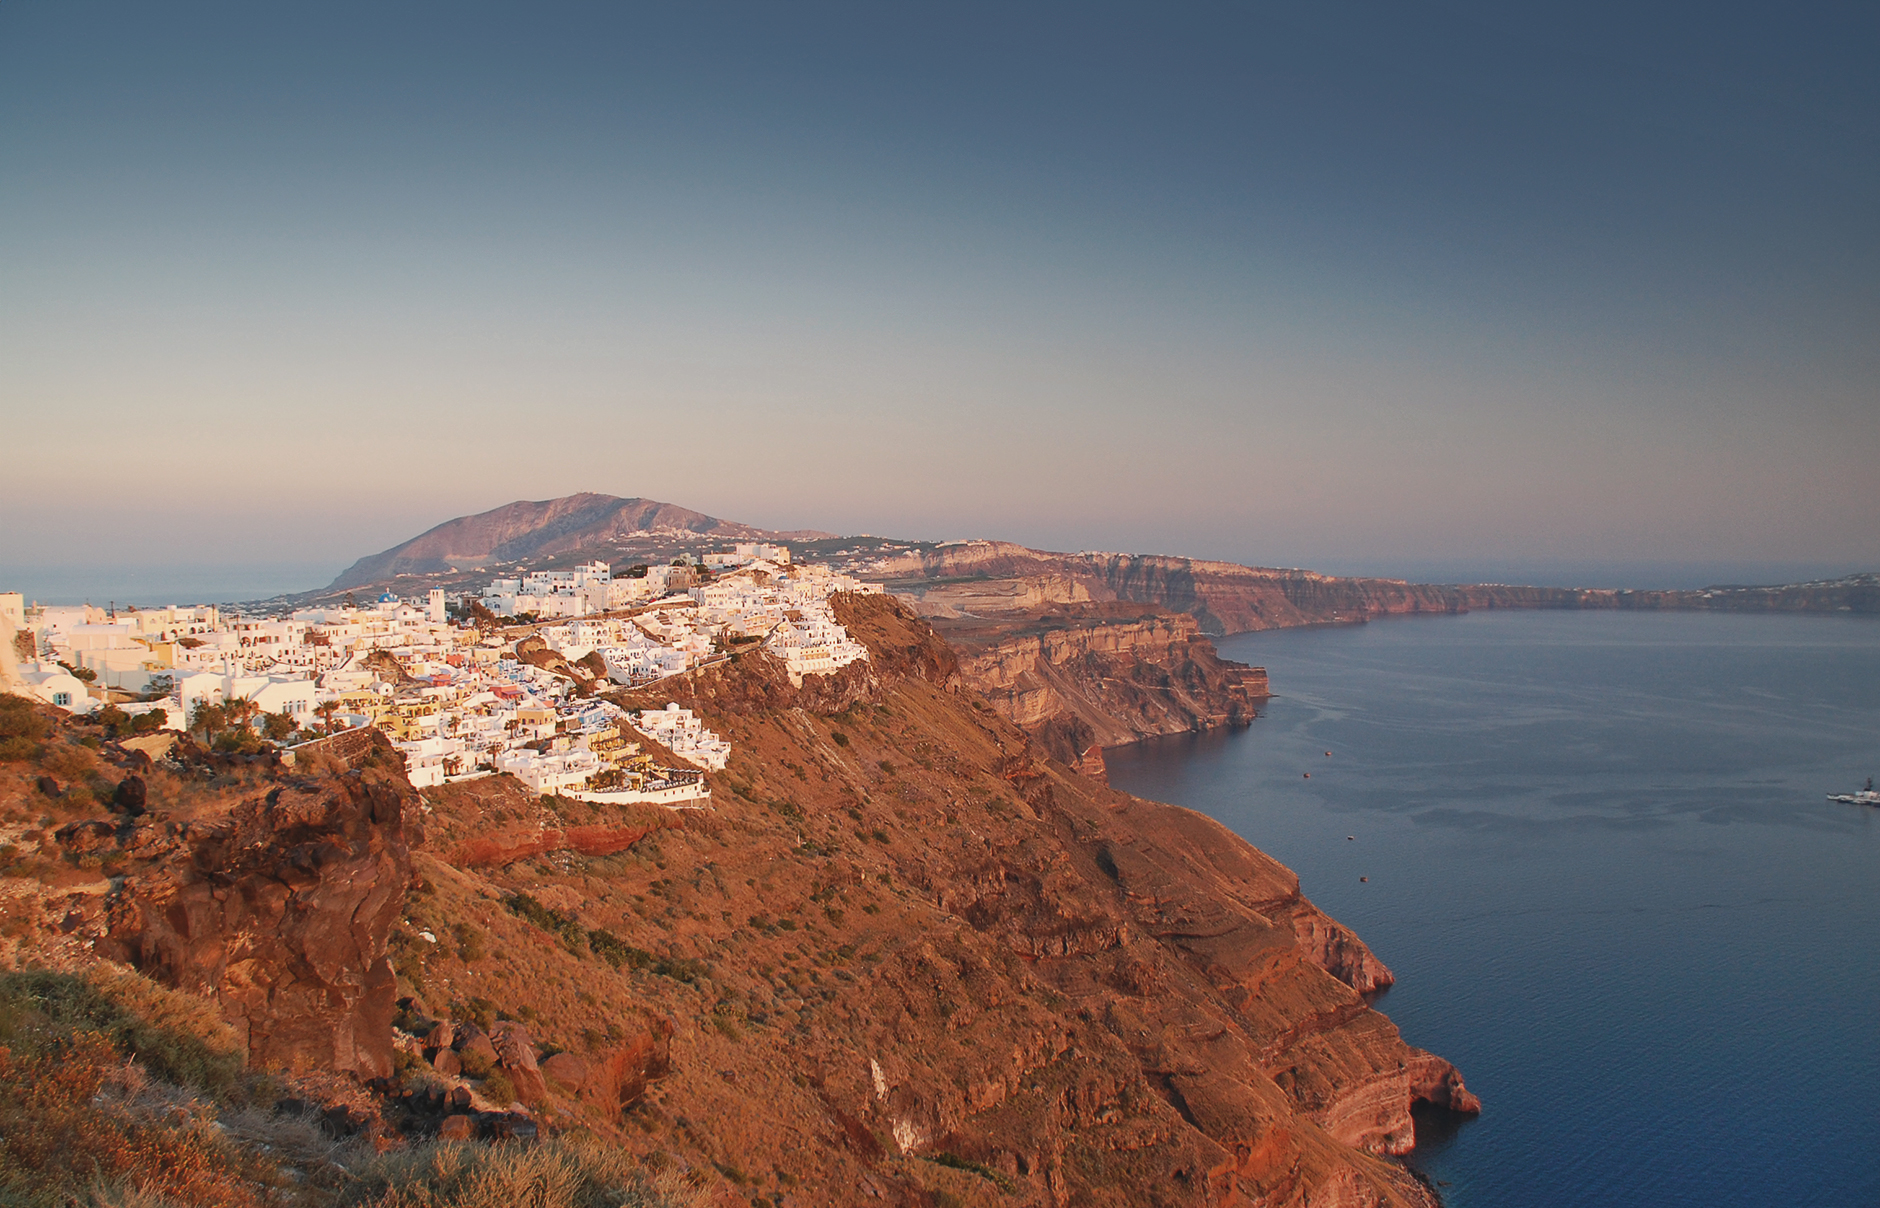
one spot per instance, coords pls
(1079, 678)
(1223, 597)
(270, 890)
(907, 953)
(976, 577)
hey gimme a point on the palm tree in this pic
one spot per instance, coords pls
(240, 711)
(326, 709)
(207, 718)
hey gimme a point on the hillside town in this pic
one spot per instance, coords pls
(508, 681)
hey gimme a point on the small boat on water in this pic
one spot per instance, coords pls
(1865, 796)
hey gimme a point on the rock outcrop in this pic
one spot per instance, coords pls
(1079, 678)
(279, 908)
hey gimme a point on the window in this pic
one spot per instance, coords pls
(62, 699)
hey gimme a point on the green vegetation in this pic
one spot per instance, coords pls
(22, 729)
(177, 1037)
(119, 724)
(955, 1162)
(601, 942)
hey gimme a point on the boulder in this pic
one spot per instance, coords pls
(517, 1055)
(90, 835)
(447, 1063)
(476, 1045)
(569, 1070)
(131, 796)
(456, 1128)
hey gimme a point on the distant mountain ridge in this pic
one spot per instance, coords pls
(1000, 579)
(542, 529)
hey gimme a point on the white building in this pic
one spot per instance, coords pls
(684, 735)
(57, 686)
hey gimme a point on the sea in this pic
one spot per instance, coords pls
(1596, 851)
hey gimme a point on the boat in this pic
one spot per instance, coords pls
(1865, 796)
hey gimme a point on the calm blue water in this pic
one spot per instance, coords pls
(1603, 869)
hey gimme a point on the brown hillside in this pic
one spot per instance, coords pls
(574, 524)
(903, 959)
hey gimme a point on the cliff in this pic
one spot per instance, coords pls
(907, 954)
(1223, 597)
(270, 891)
(1081, 677)
(906, 957)
(993, 578)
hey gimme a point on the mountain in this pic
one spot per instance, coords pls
(571, 525)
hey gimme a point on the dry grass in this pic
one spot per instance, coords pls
(177, 1037)
(107, 1089)
(73, 1115)
(556, 1174)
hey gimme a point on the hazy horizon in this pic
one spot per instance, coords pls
(182, 583)
(1346, 286)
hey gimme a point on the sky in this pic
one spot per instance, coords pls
(1444, 290)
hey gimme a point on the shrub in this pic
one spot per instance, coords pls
(498, 1089)
(955, 1162)
(572, 935)
(17, 748)
(476, 1064)
(69, 762)
(469, 942)
(238, 742)
(842, 740)
(18, 718)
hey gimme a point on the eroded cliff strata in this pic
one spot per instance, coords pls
(1080, 677)
(990, 578)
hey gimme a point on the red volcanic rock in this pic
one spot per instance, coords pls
(456, 1128)
(474, 1042)
(516, 1055)
(1082, 677)
(280, 909)
(568, 1069)
(619, 1077)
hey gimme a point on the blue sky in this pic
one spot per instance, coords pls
(1523, 291)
